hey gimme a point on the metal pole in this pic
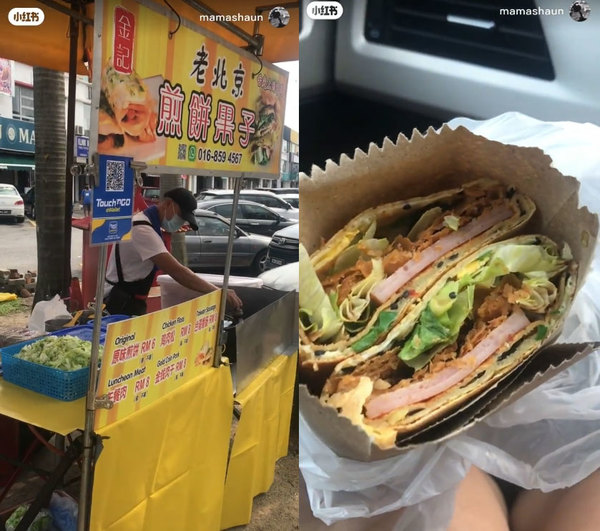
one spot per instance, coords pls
(238, 32)
(85, 492)
(237, 185)
(74, 39)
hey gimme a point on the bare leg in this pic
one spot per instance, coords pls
(479, 504)
(574, 509)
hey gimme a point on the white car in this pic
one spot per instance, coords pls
(11, 203)
(293, 199)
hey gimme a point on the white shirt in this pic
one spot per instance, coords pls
(135, 253)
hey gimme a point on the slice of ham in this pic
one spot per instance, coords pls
(446, 378)
(387, 287)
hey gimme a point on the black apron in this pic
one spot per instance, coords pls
(128, 298)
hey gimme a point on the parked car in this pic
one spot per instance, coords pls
(293, 199)
(268, 199)
(284, 278)
(151, 194)
(29, 203)
(250, 216)
(11, 203)
(283, 248)
(280, 191)
(206, 247)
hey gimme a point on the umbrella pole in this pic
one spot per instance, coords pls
(85, 492)
(237, 186)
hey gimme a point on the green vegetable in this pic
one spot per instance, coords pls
(42, 521)
(426, 219)
(383, 322)
(541, 332)
(437, 330)
(315, 305)
(451, 222)
(354, 306)
(67, 353)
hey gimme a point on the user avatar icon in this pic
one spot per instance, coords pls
(279, 17)
(579, 11)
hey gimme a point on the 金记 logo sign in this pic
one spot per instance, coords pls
(26, 16)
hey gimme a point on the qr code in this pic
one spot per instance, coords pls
(115, 176)
(181, 151)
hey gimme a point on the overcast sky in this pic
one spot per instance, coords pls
(292, 102)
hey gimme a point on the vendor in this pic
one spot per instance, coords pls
(133, 263)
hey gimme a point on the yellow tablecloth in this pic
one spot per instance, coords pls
(262, 437)
(164, 466)
(40, 410)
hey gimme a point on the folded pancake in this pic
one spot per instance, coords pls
(110, 133)
(131, 103)
(364, 280)
(483, 319)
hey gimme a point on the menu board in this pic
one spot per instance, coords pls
(148, 356)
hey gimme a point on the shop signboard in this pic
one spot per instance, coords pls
(112, 200)
(181, 99)
(148, 356)
(17, 135)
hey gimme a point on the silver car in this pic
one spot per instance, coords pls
(206, 248)
(11, 203)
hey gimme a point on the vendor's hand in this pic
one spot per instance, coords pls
(234, 301)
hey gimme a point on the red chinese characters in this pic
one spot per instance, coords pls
(170, 110)
(124, 30)
(246, 128)
(225, 123)
(168, 338)
(125, 353)
(118, 394)
(200, 107)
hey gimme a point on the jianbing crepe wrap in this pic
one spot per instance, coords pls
(361, 283)
(481, 320)
(131, 104)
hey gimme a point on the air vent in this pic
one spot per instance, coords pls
(474, 31)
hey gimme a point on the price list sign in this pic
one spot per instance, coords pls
(148, 356)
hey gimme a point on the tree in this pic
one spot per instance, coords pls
(50, 182)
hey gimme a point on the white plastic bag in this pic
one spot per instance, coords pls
(548, 439)
(45, 310)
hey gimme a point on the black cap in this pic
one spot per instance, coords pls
(187, 203)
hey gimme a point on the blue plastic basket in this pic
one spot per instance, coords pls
(62, 385)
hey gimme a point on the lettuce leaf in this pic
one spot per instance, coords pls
(354, 305)
(315, 306)
(384, 320)
(437, 330)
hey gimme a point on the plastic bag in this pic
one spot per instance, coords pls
(64, 512)
(45, 310)
(549, 447)
(42, 521)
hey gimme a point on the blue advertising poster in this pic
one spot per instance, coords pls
(112, 200)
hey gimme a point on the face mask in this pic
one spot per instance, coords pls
(173, 224)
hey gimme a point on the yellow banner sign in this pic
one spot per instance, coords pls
(183, 98)
(148, 356)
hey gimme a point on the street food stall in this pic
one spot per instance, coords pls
(171, 97)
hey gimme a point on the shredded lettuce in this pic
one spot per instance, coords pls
(67, 353)
(437, 330)
(318, 316)
(451, 222)
(383, 322)
(424, 222)
(353, 307)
